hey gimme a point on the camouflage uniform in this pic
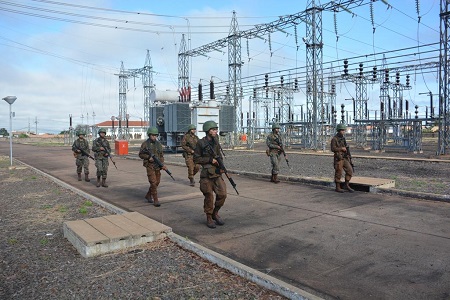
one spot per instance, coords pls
(273, 141)
(101, 157)
(82, 161)
(153, 170)
(188, 144)
(341, 159)
(211, 180)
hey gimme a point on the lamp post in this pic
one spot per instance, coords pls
(10, 100)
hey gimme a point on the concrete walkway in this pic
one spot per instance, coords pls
(347, 246)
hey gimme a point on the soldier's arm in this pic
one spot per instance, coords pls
(95, 146)
(74, 146)
(184, 145)
(160, 149)
(141, 154)
(271, 143)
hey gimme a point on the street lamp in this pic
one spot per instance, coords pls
(10, 100)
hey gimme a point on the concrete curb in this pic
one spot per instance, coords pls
(248, 273)
(233, 266)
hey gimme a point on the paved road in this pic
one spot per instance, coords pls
(346, 246)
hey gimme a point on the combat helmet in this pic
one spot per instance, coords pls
(101, 130)
(208, 125)
(341, 126)
(80, 132)
(152, 131)
(190, 127)
(276, 126)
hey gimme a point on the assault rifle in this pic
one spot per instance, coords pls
(221, 166)
(157, 161)
(84, 153)
(282, 151)
(109, 154)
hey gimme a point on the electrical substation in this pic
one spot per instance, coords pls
(245, 107)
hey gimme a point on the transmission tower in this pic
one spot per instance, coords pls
(147, 82)
(183, 66)
(444, 83)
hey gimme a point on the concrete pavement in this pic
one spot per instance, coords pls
(347, 246)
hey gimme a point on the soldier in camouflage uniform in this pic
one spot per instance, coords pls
(275, 144)
(101, 149)
(188, 144)
(341, 159)
(79, 146)
(211, 180)
(154, 147)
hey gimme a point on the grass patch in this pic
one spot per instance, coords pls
(83, 210)
(62, 209)
(44, 242)
(87, 203)
(419, 183)
(46, 206)
(12, 241)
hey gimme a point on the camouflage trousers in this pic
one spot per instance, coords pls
(102, 167)
(209, 186)
(154, 178)
(192, 167)
(275, 160)
(339, 167)
(82, 162)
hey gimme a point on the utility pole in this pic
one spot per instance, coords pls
(36, 122)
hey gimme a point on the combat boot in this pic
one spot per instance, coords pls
(86, 177)
(338, 188)
(271, 178)
(209, 221)
(275, 178)
(348, 188)
(104, 182)
(156, 201)
(98, 181)
(216, 217)
(148, 196)
(192, 182)
(79, 176)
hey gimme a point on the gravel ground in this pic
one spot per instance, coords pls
(415, 176)
(37, 262)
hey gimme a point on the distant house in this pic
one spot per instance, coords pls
(137, 130)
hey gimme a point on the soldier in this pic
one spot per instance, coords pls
(102, 150)
(188, 144)
(211, 180)
(275, 145)
(341, 159)
(149, 148)
(81, 152)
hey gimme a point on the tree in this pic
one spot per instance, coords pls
(4, 132)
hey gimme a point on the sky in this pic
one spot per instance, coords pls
(61, 59)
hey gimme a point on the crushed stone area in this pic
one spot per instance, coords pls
(414, 176)
(37, 262)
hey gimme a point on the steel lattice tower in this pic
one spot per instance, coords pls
(314, 76)
(234, 74)
(444, 83)
(183, 66)
(123, 86)
(147, 81)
